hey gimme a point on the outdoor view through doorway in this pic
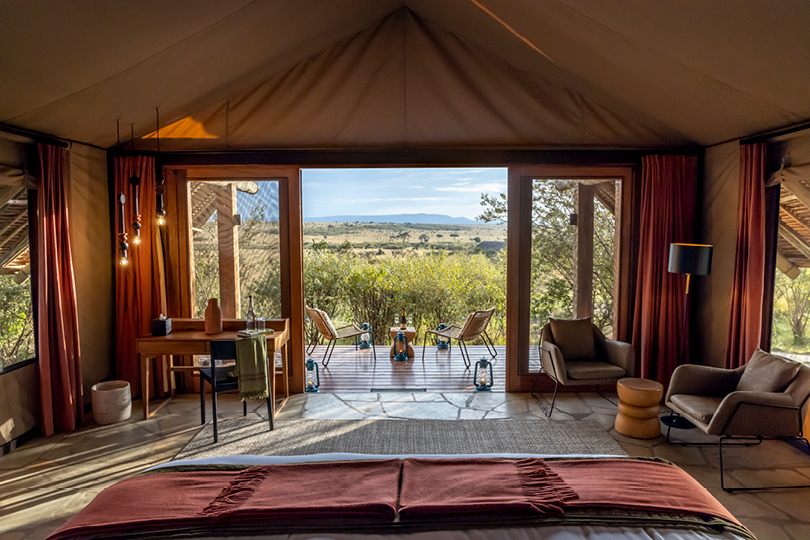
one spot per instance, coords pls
(432, 241)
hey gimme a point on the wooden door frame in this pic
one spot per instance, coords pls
(518, 260)
(291, 244)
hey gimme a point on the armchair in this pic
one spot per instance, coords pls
(576, 352)
(764, 399)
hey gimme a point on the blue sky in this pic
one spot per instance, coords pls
(451, 191)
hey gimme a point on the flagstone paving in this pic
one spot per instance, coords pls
(46, 481)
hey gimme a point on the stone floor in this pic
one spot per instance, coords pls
(46, 481)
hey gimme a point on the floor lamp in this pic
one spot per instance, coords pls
(689, 259)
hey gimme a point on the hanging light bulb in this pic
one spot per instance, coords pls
(160, 187)
(135, 182)
(122, 232)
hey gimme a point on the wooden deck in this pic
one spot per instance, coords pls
(442, 371)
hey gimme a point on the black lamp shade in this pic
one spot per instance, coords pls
(695, 259)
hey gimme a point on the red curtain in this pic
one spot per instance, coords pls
(60, 366)
(138, 287)
(668, 199)
(745, 322)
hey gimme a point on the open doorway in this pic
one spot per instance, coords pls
(380, 241)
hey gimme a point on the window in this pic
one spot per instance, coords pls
(16, 308)
(235, 232)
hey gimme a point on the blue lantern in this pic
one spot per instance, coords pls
(483, 375)
(441, 341)
(401, 347)
(365, 337)
(313, 378)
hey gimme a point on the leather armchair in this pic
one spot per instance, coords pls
(606, 363)
(713, 400)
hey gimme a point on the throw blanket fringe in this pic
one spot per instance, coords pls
(544, 488)
(237, 492)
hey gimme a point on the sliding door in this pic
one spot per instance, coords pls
(569, 242)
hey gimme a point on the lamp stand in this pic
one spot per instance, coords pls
(673, 420)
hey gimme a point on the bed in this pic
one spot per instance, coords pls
(415, 497)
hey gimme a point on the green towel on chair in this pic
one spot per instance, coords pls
(251, 367)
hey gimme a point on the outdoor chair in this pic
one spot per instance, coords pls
(764, 399)
(576, 352)
(327, 330)
(475, 326)
(221, 379)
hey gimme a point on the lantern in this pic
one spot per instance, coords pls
(483, 375)
(441, 341)
(313, 379)
(365, 337)
(401, 347)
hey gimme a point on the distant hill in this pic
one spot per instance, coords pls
(432, 219)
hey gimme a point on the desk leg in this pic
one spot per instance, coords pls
(285, 366)
(271, 379)
(145, 384)
(170, 373)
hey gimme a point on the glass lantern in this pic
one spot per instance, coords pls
(365, 337)
(401, 347)
(441, 341)
(483, 375)
(312, 379)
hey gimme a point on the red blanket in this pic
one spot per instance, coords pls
(218, 500)
(635, 484)
(348, 495)
(480, 485)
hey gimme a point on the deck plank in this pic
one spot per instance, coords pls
(442, 370)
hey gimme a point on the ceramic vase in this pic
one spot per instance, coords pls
(213, 317)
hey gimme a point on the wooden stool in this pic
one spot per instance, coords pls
(638, 408)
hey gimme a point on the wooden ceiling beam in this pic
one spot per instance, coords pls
(794, 239)
(799, 191)
(786, 266)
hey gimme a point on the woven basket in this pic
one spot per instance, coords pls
(112, 402)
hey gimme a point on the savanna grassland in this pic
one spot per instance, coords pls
(396, 238)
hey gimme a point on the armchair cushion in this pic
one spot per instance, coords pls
(588, 369)
(700, 407)
(575, 339)
(767, 373)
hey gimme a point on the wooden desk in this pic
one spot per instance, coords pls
(188, 337)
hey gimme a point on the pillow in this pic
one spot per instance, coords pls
(328, 322)
(767, 373)
(574, 338)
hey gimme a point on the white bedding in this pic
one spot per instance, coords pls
(520, 533)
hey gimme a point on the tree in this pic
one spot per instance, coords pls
(552, 279)
(424, 238)
(16, 322)
(454, 235)
(477, 239)
(345, 246)
(792, 303)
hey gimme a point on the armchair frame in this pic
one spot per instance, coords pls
(726, 432)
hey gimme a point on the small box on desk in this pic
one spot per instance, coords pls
(161, 327)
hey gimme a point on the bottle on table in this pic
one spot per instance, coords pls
(403, 321)
(250, 318)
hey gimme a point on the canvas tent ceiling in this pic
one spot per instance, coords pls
(499, 73)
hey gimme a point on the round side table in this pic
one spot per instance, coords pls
(638, 408)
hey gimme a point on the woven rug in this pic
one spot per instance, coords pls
(299, 437)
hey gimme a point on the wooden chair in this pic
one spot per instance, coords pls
(221, 380)
(328, 331)
(475, 326)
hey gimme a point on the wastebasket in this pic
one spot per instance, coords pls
(112, 402)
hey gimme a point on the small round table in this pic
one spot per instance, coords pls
(638, 408)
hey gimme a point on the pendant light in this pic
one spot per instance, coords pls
(160, 186)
